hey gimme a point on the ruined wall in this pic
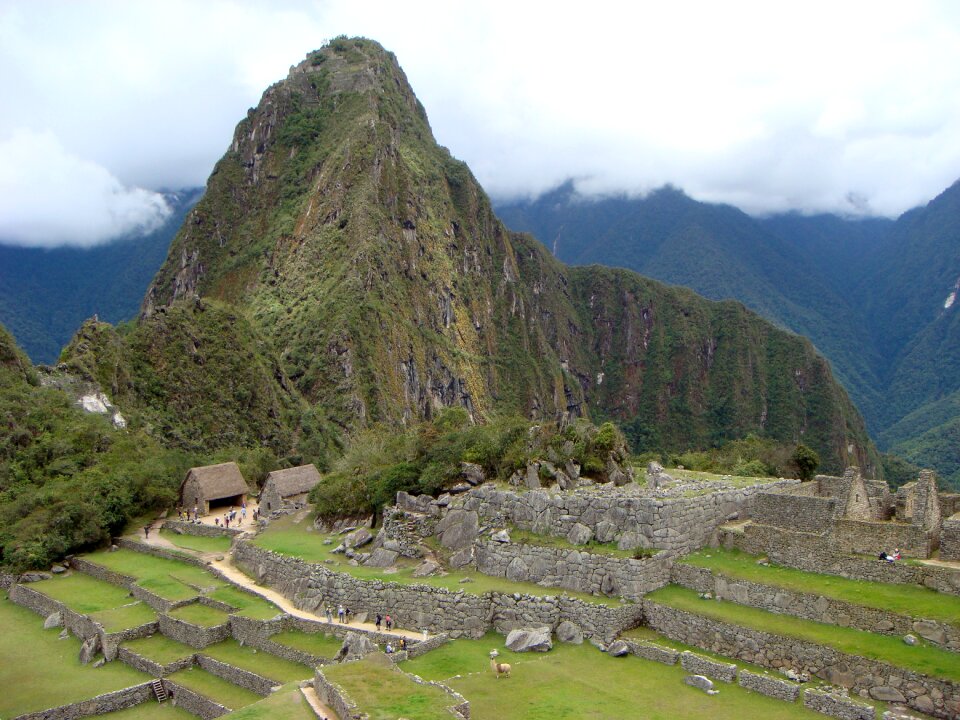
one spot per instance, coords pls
(933, 696)
(869, 538)
(675, 524)
(572, 569)
(189, 528)
(243, 678)
(950, 540)
(99, 705)
(794, 511)
(424, 607)
(193, 702)
(196, 636)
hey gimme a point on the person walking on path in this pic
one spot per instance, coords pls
(378, 621)
(389, 622)
(146, 531)
(329, 615)
(341, 612)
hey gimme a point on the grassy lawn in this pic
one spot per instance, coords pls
(286, 537)
(160, 648)
(82, 593)
(150, 710)
(911, 600)
(287, 703)
(170, 579)
(197, 614)
(210, 686)
(384, 693)
(320, 644)
(197, 542)
(257, 661)
(922, 658)
(39, 671)
(128, 616)
(578, 681)
(247, 604)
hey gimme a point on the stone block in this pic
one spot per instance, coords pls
(700, 682)
(837, 705)
(700, 665)
(530, 639)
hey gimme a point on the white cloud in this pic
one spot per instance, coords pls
(49, 197)
(765, 105)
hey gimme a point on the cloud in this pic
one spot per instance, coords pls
(49, 197)
(767, 106)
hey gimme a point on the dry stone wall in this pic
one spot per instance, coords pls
(794, 510)
(769, 685)
(950, 540)
(814, 607)
(573, 569)
(869, 538)
(193, 702)
(934, 696)
(196, 636)
(237, 676)
(700, 665)
(99, 705)
(838, 706)
(423, 607)
(188, 528)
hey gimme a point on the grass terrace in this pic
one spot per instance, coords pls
(197, 614)
(922, 658)
(910, 600)
(384, 693)
(170, 579)
(160, 649)
(109, 605)
(216, 689)
(198, 543)
(567, 681)
(28, 654)
(150, 710)
(257, 661)
(320, 644)
(287, 703)
(286, 537)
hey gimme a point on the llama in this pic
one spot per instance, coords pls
(498, 668)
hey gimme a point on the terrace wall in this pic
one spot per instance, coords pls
(152, 667)
(814, 607)
(940, 698)
(196, 636)
(424, 607)
(188, 528)
(99, 705)
(573, 569)
(950, 540)
(869, 538)
(238, 676)
(193, 702)
(165, 553)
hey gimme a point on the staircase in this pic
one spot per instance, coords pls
(159, 690)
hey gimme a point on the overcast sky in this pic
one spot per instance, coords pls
(834, 106)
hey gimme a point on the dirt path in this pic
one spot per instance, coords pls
(238, 577)
(322, 711)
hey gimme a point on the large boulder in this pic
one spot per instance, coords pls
(89, 649)
(355, 646)
(462, 558)
(530, 640)
(472, 473)
(426, 569)
(358, 538)
(702, 682)
(532, 478)
(579, 534)
(54, 619)
(501, 536)
(459, 529)
(381, 558)
(618, 648)
(567, 632)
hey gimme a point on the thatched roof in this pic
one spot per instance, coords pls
(220, 481)
(293, 481)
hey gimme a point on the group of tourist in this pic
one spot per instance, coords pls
(401, 646)
(884, 556)
(388, 621)
(231, 516)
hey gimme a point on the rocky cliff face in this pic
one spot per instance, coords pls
(370, 265)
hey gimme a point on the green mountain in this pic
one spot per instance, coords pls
(356, 274)
(871, 293)
(46, 293)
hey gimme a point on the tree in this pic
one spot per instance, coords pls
(806, 461)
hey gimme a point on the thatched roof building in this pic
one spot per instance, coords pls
(218, 485)
(288, 489)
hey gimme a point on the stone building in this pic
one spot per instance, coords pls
(213, 486)
(287, 489)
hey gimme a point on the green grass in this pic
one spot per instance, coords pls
(216, 689)
(319, 644)
(247, 604)
(578, 681)
(287, 703)
(385, 693)
(39, 671)
(286, 537)
(160, 649)
(922, 658)
(82, 593)
(197, 614)
(257, 661)
(122, 618)
(199, 543)
(150, 710)
(170, 579)
(910, 600)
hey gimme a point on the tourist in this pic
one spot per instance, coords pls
(389, 649)
(378, 621)
(389, 622)
(341, 613)
(403, 644)
(896, 553)
(883, 557)
(349, 613)
(329, 615)
(146, 531)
